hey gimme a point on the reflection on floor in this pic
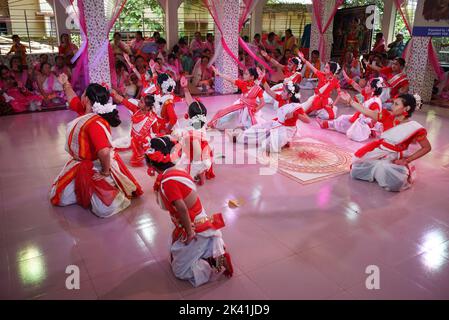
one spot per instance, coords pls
(288, 241)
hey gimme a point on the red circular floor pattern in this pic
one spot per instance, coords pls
(314, 158)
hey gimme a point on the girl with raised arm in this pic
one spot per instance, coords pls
(386, 160)
(322, 105)
(242, 114)
(291, 71)
(278, 133)
(358, 127)
(198, 156)
(144, 124)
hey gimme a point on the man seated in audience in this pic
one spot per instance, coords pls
(396, 47)
(270, 44)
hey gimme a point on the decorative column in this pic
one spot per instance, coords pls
(326, 10)
(64, 23)
(257, 18)
(388, 19)
(171, 20)
(419, 71)
(96, 24)
(228, 13)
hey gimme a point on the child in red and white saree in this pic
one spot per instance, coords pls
(322, 105)
(386, 160)
(292, 73)
(95, 176)
(359, 127)
(197, 244)
(144, 125)
(242, 114)
(197, 155)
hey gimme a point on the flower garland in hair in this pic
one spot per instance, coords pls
(338, 68)
(198, 118)
(299, 66)
(380, 82)
(291, 88)
(99, 108)
(419, 102)
(159, 157)
(167, 84)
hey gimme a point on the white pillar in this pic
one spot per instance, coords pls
(61, 18)
(419, 70)
(388, 20)
(257, 18)
(326, 8)
(228, 12)
(96, 24)
(171, 21)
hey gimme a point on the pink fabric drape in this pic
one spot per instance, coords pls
(317, 8)
(401, 6)
(80, 73)
(249, 5)
(211, 6)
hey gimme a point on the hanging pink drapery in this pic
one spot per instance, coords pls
(249, 5)
(408, 20)
(80, 73)
(317, 8)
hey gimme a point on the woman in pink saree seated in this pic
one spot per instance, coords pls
(242, 114)
(50, 87)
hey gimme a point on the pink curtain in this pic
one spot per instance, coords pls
(401, 6)
(80, 73)
(317, 8)
(245, 10)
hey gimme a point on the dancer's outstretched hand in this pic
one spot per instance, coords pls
(346, 97)
(63, 78)
(152, 64)
(261, 73)
(301, 55)
(128, 61)
(184, 82)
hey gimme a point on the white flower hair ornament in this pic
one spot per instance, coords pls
(167, 84)
(99, 108)
(380, 83)
(338, 68)
(291, 88)
(198, 118)
(299, 65)
(419, 102)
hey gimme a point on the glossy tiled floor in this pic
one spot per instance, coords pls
(288, 241)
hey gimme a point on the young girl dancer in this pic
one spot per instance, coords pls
(292, 72)
(144, 124)
(274, 135)
(165, 103)
(198, 156)
(242, 114)
(358, 127)
(322, 104)
(197, 244)
(385, 160)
